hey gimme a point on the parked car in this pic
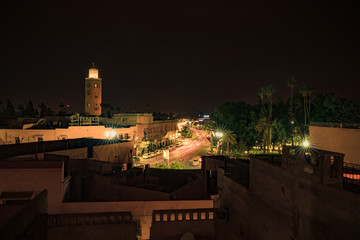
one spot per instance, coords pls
(146, 155)
(195, 162)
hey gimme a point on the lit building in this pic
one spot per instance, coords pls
(93, 86)
(337, 137)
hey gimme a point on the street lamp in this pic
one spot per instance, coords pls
(306, 143)
(219, 134)
(110, 134)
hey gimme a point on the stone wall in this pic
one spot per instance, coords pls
(233, 210)
(141, 211)
(117, 192)
(281, 205)
(41, 176)
(91, 226)
(30, 222)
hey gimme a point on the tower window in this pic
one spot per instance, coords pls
(96, 85)
(88, 104)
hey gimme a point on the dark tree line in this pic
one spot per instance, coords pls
(273, 122)
(29, 110)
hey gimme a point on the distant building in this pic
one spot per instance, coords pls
(130, 119)
(93, 87)
(10, 136)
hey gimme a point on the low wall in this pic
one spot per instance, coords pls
(117, 192)
(91, 226)
(140, 210)
(281, 205)
(172, 224)
(28, 222)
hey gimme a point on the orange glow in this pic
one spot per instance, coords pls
(93, 73)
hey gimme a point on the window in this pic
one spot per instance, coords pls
(96, 96)
(88, 84)
(40, 139)
(17, 140)
(95, 85)
(88, 104)
(88, 92)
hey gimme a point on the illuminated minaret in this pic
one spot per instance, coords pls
(93, 85)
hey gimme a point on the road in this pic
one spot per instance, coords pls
(191, 149)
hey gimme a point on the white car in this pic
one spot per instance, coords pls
(195, 162)
(146, 155)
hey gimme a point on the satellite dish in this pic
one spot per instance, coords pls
(187, 236)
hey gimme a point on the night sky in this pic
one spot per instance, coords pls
(175, 56)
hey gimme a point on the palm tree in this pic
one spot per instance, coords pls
(292, 82)
(261, 93)
(209, 128)
(229, 138)
(262, 126)
(269, 90)
(306, 91)
(21, 108)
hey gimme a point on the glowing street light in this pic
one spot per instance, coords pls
(306, 144)
(110, 134)
(219, 134)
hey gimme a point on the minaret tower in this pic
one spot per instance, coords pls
(93, 86)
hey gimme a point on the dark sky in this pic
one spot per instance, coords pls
(176, 56)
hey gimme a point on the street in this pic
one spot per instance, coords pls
(190, 150)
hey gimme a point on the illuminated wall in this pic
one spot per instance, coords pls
(10, 136)
(342, 140)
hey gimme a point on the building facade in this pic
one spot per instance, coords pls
(93, 92)
(337, 139)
